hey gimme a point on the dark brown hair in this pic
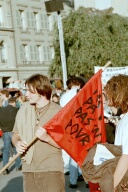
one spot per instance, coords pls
(41, 84)
(12, 100)
(116, 91)
(5, 92)
(75, 81)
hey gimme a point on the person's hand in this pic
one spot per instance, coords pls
(41, 133)
(21, 146)
(125, 187)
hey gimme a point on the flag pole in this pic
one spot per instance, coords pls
(106, 65)
(17, 155)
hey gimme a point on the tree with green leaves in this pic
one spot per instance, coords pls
(91, 38)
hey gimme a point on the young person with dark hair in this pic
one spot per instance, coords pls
(42, 163)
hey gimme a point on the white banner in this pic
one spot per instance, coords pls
(110, 72)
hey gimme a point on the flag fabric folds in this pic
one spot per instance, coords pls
(80, 124)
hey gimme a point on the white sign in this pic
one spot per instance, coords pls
(110, 72)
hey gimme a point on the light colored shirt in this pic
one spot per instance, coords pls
(66, 97)
(121, 137)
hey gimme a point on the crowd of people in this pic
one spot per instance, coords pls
(44, 163)
(9, 106)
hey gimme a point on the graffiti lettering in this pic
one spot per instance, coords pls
(89, 121)
(69, 124)
(95, 131)
(100, 118)
(89, 101)
(74, 129)
(99, 101)
(85, 139)
(81, 115)
(95, 92)
(93, 107)
(80, 133)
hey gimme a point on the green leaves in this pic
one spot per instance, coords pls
(91, 37)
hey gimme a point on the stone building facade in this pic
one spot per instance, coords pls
(26, 34)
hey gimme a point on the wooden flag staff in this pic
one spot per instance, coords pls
(17, 155)
(106, 65)
(34, 139)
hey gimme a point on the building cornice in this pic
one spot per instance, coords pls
(34, 7)
(6, 29)
(21, 5)
(8, 69)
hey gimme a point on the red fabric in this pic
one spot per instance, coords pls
(1, 133)
(80, 124)
(94, 187)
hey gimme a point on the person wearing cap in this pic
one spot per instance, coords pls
(74, 84)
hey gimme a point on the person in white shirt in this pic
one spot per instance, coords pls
(116, 91)
(74, 84)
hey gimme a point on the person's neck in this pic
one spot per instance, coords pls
(42, 104)
(75, 87)
(12, 104)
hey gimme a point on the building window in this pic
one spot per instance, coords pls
(21, 19)
(1, 16)
(3, 52)
(37, 53)
(44, 22)
(24, 53)
(30, 19)
(52, 20)
(36, 21)
(47, 54)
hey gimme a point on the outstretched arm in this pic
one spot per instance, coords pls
(42, 134)
(121, 169)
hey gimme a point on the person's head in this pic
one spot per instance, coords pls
(5, 94)
(75, 81)
(22, 98)
(12, 101)
(38, 87)
(116, 91)
(55, 98)
(59, 91)
(17, 94)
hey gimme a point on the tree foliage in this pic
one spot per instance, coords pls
(91, 38)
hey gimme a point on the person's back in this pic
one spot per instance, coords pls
(7, 120)
(7, 117)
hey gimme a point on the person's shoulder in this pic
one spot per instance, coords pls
(1, 109)
(55, 106)
(66, 97)
(26, 106)
(69, 92)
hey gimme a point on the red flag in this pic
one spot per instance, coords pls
(80, 124)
